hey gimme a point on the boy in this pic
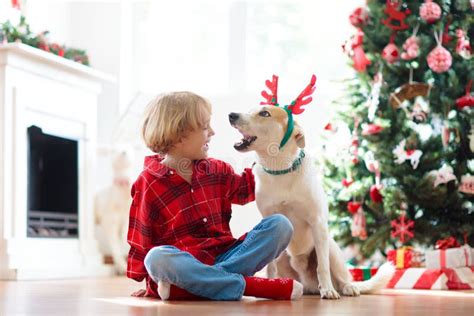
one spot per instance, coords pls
(179, 231)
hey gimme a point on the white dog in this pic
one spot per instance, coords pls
(287, 183)
(112, 206)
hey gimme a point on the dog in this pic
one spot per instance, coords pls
(111, 208)
(312, 257)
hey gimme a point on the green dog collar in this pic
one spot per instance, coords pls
(293, 167)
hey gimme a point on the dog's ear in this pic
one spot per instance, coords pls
(299, 137)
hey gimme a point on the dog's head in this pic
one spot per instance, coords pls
(263, 128)
(268, 128)
(271, 127)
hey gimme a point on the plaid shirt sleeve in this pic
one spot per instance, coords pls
(139, 235)
(241, 187)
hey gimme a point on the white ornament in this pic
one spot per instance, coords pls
(373, 100)
(442, 176)
(467, 184)
(403, 155)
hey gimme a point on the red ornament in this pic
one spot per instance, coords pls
(446, 37)
(353, 207)
(375, 194)
(16, 4)
(390, 53)
(347, 182)
(430, 11)
(403, 228)
(330, 128)
(439, 59)
(359, 17)
(467, 100)
(411, 47)
(371, 129)
(396, 18)
(355, 50)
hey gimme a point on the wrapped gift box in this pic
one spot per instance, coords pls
(362, 274)
(433, 279)
(405, 257)
(450, 258)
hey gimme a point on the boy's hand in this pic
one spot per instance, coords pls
(139, 293)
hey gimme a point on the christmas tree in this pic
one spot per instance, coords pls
(407, 174)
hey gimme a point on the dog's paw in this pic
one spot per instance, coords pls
(350, 290)
(330, 294)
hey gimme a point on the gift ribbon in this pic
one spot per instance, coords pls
(466, 256)
(400, 260)
(442, 258)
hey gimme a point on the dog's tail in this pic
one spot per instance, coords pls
(378, 281)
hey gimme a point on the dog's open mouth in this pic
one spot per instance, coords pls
(246, 141)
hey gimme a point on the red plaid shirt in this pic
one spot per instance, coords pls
(167, 210)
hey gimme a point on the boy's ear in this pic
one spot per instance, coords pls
(299, 137)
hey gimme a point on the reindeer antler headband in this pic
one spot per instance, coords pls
(293, 108)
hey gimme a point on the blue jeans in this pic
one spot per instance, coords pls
(225, 279)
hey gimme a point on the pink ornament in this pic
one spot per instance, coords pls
(463, 47)
(411, 47)
(430, 11)
(439, 59)
(445, 135)
(390, 53)
(358, 225)
(359, 17)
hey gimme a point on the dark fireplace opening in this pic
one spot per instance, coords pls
(53, 189)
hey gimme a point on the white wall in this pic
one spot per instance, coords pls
(115, 35)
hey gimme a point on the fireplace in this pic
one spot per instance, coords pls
(48, 135)
(52, 185)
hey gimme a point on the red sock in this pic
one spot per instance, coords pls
(276, 289)
(178, 294)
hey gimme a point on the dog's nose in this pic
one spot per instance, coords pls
(233, 117)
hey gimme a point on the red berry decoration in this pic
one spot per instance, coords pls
(430, 11)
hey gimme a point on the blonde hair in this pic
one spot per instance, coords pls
(169, 117)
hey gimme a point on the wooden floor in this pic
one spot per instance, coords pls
(111, 297)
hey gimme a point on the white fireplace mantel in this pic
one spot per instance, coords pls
(60, 96)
